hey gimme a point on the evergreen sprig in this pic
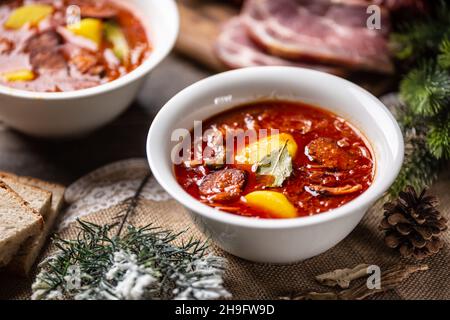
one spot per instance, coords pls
(444, 56)
(420, 37)
(416, 39)
(105, 263)
(423, 46)
(438, 138)
(142, 264)
(419, 167)
(426, 89)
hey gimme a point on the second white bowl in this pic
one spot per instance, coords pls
(61, 114)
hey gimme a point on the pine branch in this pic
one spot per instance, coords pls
(444, 56)
(426, 89)
(141, 263)
(419, 168)
(133, 203)
(438, 138)
(416, 38)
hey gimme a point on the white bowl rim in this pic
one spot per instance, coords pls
(366, 198)
(135, 74)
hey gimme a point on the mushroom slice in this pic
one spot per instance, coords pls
(334, 191)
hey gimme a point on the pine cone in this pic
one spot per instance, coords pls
(413, 224)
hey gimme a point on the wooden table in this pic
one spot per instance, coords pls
(66, 161)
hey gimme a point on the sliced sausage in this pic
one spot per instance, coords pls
(223, 185)
(45, 51)
(327, 153)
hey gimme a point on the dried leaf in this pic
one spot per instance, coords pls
(343, 277)
(278, 164)
(390, 279)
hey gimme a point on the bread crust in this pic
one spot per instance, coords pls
(25, 258)
(11, 240)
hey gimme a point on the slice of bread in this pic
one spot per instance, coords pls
(18, 222)
(40, 200)
(57, 191)
(29, 252)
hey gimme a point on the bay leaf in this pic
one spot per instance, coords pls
(277, 164)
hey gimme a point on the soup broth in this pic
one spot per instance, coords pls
(321, 162)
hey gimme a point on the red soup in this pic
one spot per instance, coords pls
(306, 162)
(66, 45)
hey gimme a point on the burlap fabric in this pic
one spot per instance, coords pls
(247, 280)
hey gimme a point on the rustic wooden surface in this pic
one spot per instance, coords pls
(200, 23)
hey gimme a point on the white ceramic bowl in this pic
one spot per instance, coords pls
(270, 240)
(78, 112)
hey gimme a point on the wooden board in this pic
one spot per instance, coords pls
(200, 24)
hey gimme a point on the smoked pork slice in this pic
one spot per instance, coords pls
(321, 30)
(236, 50)
(45, 52)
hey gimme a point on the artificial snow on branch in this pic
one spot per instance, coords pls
(142, 264)
(122, 262)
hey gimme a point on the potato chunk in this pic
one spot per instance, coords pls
(260, 149)
(274, 203)
(88, 28)
(32, 14)
(19, 75)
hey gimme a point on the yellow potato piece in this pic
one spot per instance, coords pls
(274, 203)
(32, 14)
(88, 28)
(256, 151)
(19, 75)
